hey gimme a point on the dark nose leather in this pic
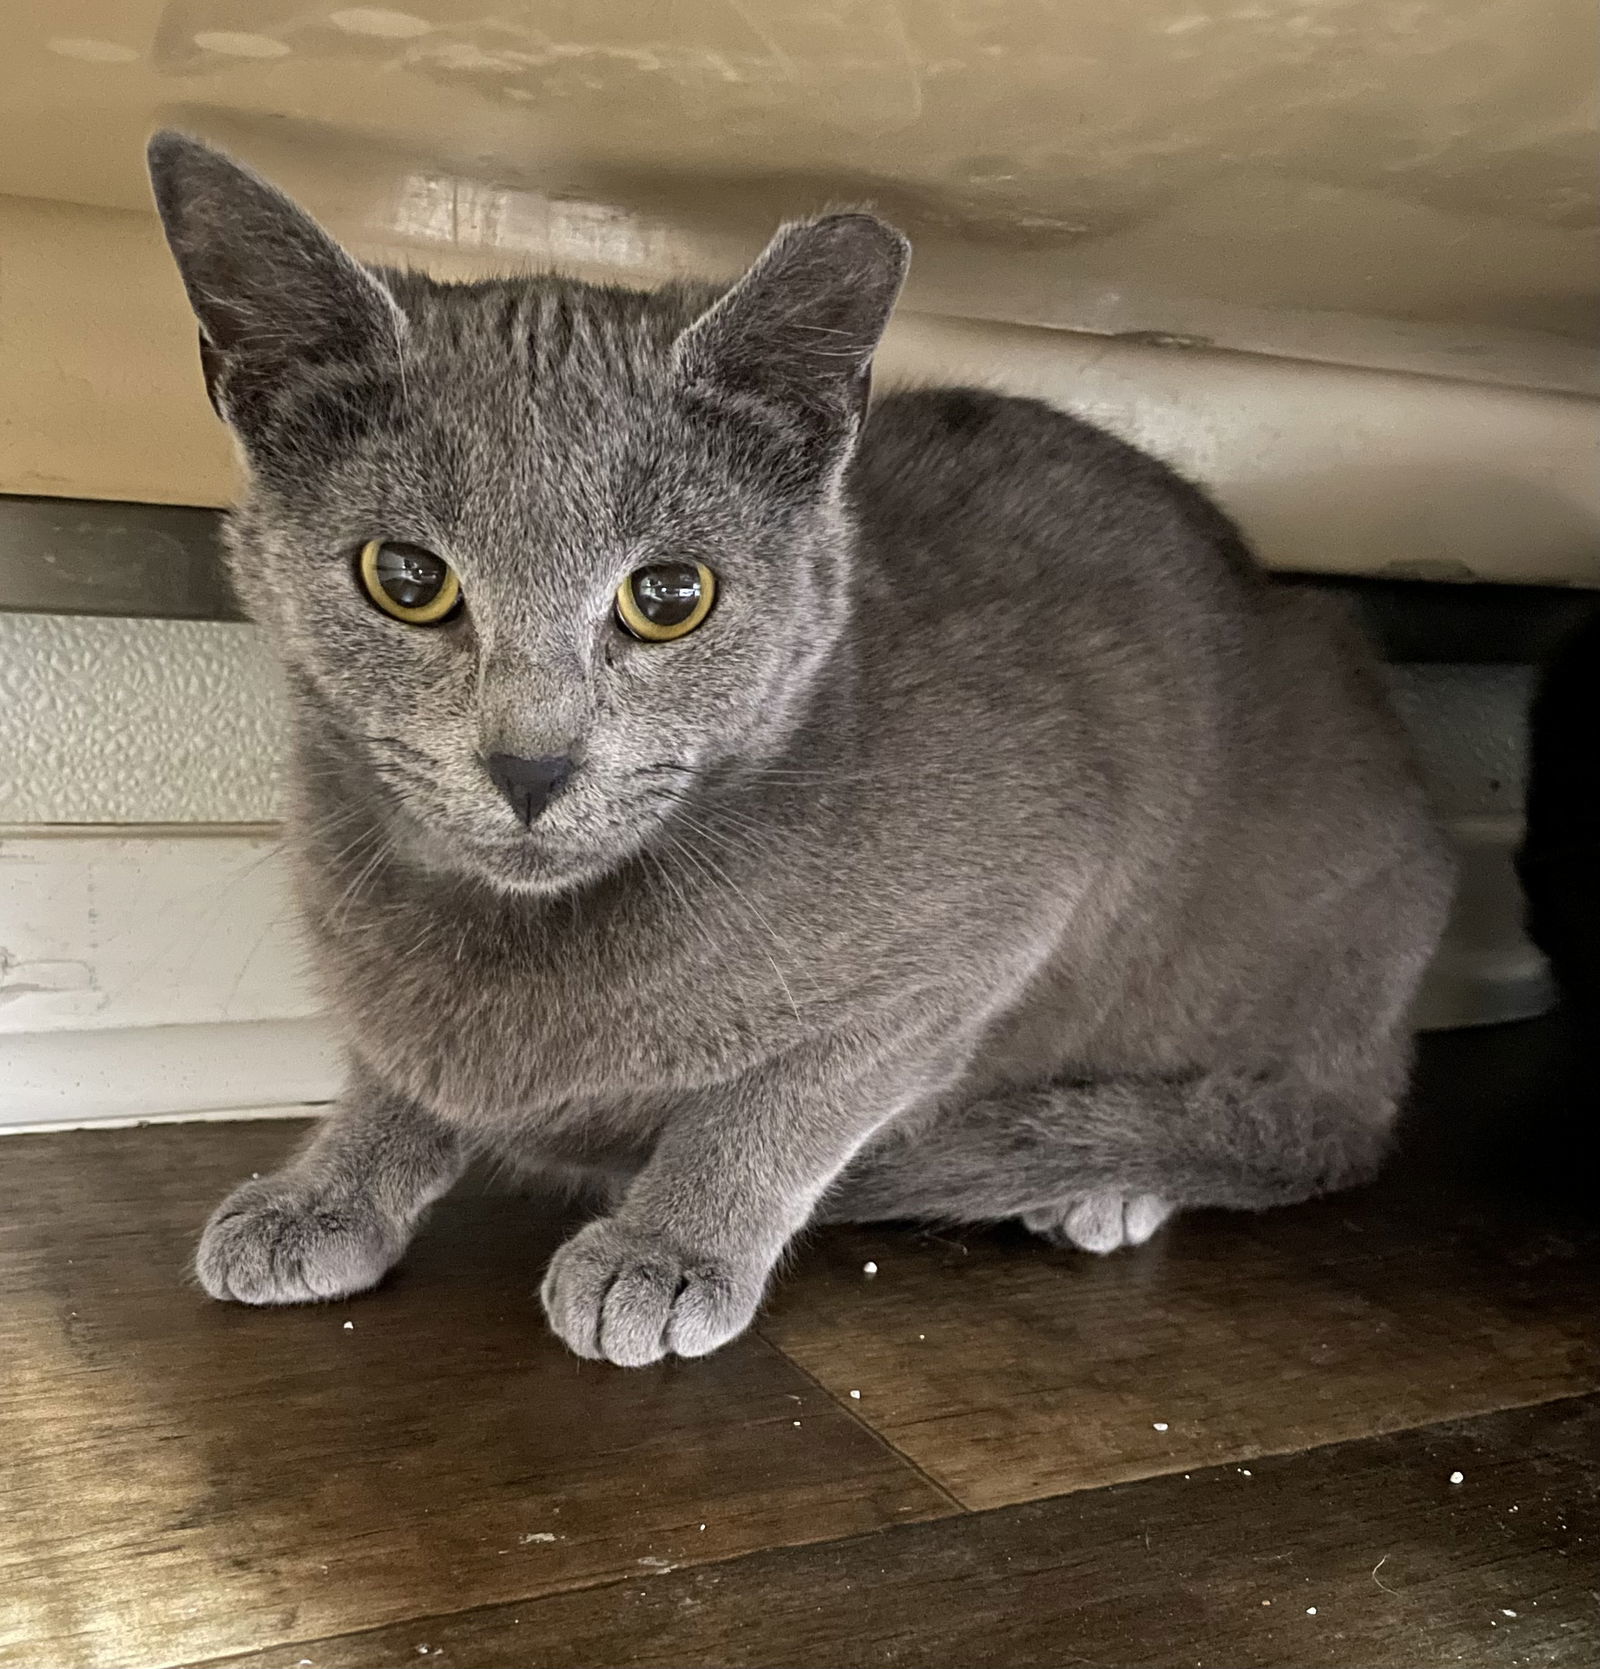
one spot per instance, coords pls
(529, 785)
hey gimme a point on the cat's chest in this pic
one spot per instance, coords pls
(488, 1019)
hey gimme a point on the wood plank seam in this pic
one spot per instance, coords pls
(859, 1416)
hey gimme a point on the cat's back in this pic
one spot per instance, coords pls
(1012, 534)
(942, 468)
(1051, 579)
(1069, 598)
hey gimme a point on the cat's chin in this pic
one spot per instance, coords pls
(523, 868)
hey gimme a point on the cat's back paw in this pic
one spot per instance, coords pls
(280, 1241)
(1103, 1222)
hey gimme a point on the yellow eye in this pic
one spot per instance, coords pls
(667, 600)
(407, 582)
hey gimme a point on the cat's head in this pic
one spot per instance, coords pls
(536, 555)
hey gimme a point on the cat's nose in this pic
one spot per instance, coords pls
(529, 785)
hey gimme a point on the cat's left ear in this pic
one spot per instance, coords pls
(793, 340)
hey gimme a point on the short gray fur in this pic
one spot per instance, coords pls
(1003, 845)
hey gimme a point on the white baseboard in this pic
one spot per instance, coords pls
(222, 1115)
(157, 972)
(139, 1072)
(149, 972)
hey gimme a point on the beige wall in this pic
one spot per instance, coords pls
(1387, 176)
(100, 394)
(1339, 262)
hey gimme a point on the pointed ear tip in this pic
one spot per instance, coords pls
(167, 143)
(170, 149)
(861, 223)
(860, 231)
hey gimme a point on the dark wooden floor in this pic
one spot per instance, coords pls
(1361, 1433)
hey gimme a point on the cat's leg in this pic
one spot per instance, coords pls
(338, 1216)
(680, 1264)
(1103, 1165)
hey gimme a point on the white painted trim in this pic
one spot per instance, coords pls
(141, 831)
(141, 1072)
(225, 1115)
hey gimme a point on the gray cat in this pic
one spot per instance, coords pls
(766, 811)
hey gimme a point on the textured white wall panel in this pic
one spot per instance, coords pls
(155, 971)
(136, 721)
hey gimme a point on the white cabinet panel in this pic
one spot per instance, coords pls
(160, 928)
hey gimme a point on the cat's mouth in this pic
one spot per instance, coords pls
(572, 844)
(541, 860)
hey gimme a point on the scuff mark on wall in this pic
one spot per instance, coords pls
(126, 928)
(28, 979)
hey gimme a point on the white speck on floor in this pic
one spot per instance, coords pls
(349, 1327)
(1505, 1613)
(794, 1422)
(1247, 1472)
(662, 1565)
(855, 1396)
(1158, 1425)
(535, 1536)
(869, 1269)
(1311, 1610)
(1458, 1477)
(702, 1526)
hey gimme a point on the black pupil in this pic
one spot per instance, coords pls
(667, 594)
(410, 576)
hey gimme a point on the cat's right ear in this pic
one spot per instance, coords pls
(270, 288)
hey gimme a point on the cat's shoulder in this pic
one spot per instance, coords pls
(967, 459)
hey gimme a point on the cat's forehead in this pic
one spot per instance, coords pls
(534, 436)
(545, 388)
(552, 337)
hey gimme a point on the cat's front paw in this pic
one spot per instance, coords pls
(617, 1294)
(281, 1240)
